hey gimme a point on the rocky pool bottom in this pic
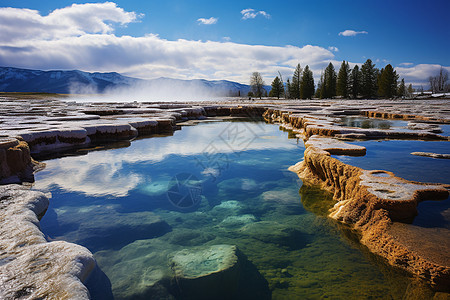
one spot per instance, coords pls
(165, 214)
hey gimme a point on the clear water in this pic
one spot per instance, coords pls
(395, 156)
(365, 122)
(445, 129)
(210, 184)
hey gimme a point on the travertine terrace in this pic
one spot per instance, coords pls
(375, 203)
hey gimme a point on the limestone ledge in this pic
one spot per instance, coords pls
(366, 199)
(16, 164)
(104, 124)
(323, 124)
(370, 201)
(26, 134)
(334, 146)
(432, 155)
(404, 116)
(31, 267)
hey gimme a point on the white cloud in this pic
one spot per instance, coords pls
(250, 13)
(209, 21)
(334, 49)
(351, 32)
(419, 74)
(406, 64)
(92, 46)
(82, 37)
(117, 181)
(20, 24)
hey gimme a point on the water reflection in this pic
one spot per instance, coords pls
(125, 217)
(395, 156)
(364, 122)
(213, 147)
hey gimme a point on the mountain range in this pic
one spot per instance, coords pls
(79, 82)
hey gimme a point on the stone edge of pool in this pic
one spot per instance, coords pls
(365, 199)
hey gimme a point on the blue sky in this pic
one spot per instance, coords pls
(224, 40)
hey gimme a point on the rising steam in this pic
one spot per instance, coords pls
(158, 90)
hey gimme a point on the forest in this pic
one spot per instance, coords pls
(366, 82)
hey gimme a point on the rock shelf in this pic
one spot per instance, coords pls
(432, 155)
(31, 267)
(375, 203)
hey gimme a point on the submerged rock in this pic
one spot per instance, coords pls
(272, 232)
(282, 196)
(159, 269)
(216, 272)
(238, 221)
(145, 264)
(102, 227)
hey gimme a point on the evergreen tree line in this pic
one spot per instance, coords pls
(366, 82)
(301, 87)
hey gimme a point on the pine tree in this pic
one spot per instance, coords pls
(355, 82)
(277, 88)
(401, 89)
(378, 81)
(387, 84)
(320, 87)
(329, 82)
(295, 84)
(368, 80)
(307, 84)
(343, 80)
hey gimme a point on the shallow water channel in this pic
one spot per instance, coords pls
(210, 184)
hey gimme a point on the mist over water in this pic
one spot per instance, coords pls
(160, 90)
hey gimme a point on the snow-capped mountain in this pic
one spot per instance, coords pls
(79, 82)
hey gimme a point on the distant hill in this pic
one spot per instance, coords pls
(79, 82)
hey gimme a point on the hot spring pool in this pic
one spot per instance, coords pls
(212, 184)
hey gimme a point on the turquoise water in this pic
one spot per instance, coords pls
(395, 156)
(210, 184)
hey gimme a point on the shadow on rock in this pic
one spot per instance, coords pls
(99, 285)
(216, 272)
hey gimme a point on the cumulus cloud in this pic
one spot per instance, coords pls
(209, 21)
(92, 46)
(82, 37)
(419, 74)
(334, 49)
(20, 24)
(250, 13)
(351, 32)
